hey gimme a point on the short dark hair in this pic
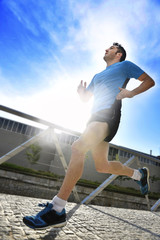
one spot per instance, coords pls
(121, 50)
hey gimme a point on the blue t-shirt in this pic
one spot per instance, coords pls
(105, 85)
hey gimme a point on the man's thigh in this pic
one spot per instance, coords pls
(100, 155)
(94, 134)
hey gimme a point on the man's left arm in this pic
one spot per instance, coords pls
(147, 82)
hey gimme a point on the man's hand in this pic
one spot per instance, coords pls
(82, 87)
(83, 93)
(147, 82)
(124, 93)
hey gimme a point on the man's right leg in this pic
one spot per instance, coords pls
(54, 213)
(92, 136)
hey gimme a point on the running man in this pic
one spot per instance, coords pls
(108, 88)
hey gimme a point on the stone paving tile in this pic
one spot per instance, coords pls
(84, 222)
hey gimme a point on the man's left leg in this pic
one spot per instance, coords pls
(100, 156)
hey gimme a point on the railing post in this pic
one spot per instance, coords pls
(155, 206)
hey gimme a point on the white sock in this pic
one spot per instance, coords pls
(58, 204)
(136, 175)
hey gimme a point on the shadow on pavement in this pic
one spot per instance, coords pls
(125, 221)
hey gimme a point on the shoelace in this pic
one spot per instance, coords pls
(45, 210)
(43, 204)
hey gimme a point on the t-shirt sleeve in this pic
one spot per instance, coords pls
(132, 70)
(90, 87)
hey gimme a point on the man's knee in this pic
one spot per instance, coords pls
(79, 147)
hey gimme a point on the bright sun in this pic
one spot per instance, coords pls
(62, 106)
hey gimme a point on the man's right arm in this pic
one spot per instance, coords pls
(84, 94)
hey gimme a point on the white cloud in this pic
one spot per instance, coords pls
(20, 11)
(124, 21)
(90, 27)
(98, 25)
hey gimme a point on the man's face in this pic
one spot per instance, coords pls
(110, 53)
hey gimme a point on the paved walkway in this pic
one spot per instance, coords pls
(84, 222)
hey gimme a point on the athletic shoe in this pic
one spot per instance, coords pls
(45, 218)
(144, 181)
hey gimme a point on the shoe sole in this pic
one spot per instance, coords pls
(59, 225)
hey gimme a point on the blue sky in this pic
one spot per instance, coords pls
(48, 46)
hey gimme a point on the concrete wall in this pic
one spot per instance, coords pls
(25, 185)
(49, 160)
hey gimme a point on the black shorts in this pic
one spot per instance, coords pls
(111, 116)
